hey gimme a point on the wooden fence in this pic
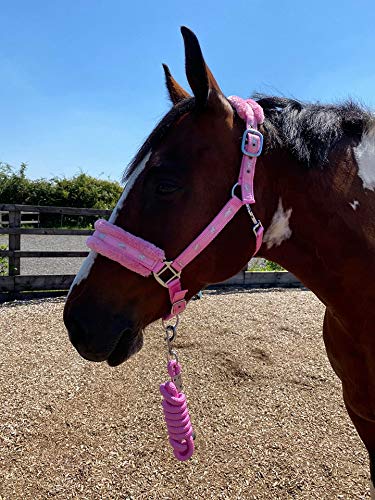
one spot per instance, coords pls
(15, 285)
(4, 218)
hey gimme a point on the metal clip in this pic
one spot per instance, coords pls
(170, 333)
(170, 336)
(251, 213)
(165, 326)
(256, 222)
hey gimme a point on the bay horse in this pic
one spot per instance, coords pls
(315, 193)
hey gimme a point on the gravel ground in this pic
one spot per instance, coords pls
(265, 404)
(64, 265)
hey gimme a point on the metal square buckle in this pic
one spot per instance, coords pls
(245, 141)
(167, 267)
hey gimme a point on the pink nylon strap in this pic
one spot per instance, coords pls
(212, 230)
(177, 298)
(258, 240)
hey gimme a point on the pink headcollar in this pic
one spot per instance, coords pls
(144, 258)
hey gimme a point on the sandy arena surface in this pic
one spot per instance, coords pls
(265, 404)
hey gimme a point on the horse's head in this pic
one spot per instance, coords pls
(177, 183)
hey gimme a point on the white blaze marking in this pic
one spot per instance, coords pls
(128, 185)
(84, 270)
(89, 261)
(354, 205)
(279, 229)
(365, 156)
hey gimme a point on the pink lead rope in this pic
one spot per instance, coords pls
(176, 415)
(144, 258)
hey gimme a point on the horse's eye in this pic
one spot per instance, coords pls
(165, 188)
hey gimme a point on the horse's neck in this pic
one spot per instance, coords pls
(321, 227)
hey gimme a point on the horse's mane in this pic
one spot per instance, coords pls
(310, 131)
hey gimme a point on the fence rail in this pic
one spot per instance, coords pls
(41, 253)
(54, 210)
(23, 221)
(46, 230)
(15, 285)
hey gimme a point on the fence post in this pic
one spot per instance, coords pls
(14, 242)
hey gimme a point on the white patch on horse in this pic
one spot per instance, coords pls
(84, 270)
(365, 156)
(279, 229)
(89, 261)
(354, 205)
(128, 185)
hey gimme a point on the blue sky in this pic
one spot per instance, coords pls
(82, 83)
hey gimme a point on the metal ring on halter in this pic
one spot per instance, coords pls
(234, 188)
(165, 326)
(170, 334)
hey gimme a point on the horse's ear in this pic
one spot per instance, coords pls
(199, 76)
(176, 92)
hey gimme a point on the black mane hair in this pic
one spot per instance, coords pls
(310, 131)
(307, 131)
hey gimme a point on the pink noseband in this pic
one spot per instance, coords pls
(144, 258)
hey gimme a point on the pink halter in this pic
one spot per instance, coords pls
(144, 258)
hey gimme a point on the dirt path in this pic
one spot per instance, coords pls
(265, 405)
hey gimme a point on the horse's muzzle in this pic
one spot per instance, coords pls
(113, 340)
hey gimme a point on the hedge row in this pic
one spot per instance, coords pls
(82, 190)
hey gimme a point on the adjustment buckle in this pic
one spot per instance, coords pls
(178, 307)
(167, 267)
(254, 142)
